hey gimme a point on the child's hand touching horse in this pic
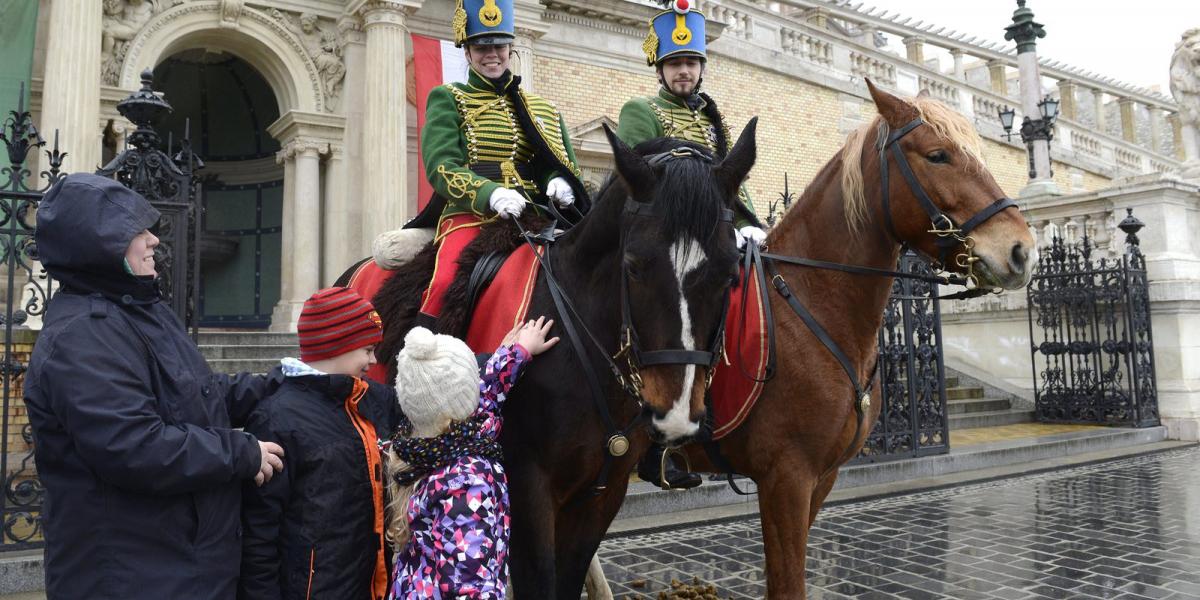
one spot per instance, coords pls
(532, 336)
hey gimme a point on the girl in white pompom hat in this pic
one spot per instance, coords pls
(448, 510)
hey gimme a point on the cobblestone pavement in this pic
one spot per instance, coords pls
(1127, 529)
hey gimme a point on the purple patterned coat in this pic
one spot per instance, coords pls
(458, 515)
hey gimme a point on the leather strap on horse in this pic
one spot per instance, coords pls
(862, 396)
(567, 316)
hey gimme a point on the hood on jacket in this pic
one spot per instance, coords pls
(85, 224)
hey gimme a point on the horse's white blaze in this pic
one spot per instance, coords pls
(686, 255)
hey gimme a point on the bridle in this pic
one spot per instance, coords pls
(630, 351)
(949, 234)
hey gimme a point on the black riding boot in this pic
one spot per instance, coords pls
(651, 469)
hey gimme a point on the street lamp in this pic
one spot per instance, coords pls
(1049, 108)
(1007, 114)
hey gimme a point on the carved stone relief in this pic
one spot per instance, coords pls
(122, 20)
(322, 41)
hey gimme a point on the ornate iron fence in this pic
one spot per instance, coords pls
(1094, 362)
(912, 418)
(168, 182)
(28, 291)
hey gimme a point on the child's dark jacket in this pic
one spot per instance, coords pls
(315, 530)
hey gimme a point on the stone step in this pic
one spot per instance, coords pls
(249, 351)
(963, 393)
(242, 365)
(990, 418)
(246, 338)
(976, 405)
(646, 500)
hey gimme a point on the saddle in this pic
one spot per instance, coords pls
(496, 276)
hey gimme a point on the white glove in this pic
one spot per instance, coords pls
(560, 192)
(751, 233)
(507, 203)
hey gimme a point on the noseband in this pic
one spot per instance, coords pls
(630, 350)
(949, 235)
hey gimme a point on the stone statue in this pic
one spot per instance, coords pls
(1185, 86)
(122, 20)
(324, 47)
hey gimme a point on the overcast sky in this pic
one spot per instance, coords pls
(1131, 41)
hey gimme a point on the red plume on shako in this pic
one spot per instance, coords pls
(682, 6)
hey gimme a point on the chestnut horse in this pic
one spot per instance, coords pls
(803, 426)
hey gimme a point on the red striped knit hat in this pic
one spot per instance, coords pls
(335, 321)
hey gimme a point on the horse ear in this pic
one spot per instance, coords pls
(631, 167)
(893, 109)
(733, 170)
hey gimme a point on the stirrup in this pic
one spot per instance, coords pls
(663, 461)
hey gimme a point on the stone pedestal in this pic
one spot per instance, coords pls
(1031, 94)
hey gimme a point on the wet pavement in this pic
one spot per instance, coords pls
(1127, 529)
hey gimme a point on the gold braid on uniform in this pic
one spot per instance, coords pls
(459, 23)
(459, 185)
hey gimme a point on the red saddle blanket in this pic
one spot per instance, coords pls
(501, 306)
(737, 384)
(506, 302)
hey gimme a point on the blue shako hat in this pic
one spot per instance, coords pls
(483, 22)
(674, 32)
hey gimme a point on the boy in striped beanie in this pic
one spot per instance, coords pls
(317, 531)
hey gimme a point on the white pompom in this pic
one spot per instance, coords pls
(420, 343)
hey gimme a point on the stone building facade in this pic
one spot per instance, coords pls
(304, 112)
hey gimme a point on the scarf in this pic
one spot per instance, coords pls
(426, 455)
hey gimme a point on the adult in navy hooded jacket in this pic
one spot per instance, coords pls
(132, 431)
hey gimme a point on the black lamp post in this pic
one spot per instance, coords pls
(1033, 129)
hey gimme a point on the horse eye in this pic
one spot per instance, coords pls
(938, 157)
(633, 268)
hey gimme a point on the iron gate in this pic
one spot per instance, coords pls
(1094, 362)
(912, 417)
(167, 182)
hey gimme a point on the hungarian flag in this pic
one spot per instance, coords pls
(434, 62)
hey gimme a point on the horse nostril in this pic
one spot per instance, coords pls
(1019, 255)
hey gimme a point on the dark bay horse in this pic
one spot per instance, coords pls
(804, 424)
(648, 268)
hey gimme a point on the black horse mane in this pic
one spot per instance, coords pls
(688, 202)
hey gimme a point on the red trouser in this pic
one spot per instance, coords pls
(453, 235)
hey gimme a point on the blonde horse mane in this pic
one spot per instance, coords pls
(947, 124)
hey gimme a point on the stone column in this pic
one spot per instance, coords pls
(1068, 107)
(354, 53)
(1128, 120)
(1177, 134)
(523, 62)
(386, 204)
(281, 318)
(960, 73)
(1101, 116)
(527, 15)
(1025, 31)
(301, 275)
(1155, 129)
(915, 46)
(71, 88)
(306, 221)
(817, 17)
(336, 231)
(999, 77)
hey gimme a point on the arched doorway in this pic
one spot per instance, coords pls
(226, 104)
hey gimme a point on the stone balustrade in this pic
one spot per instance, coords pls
(803, 29)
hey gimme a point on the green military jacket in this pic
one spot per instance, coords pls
(667, 115)
(472, 143)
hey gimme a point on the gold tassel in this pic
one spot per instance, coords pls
(459, 24)
(650, 46)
